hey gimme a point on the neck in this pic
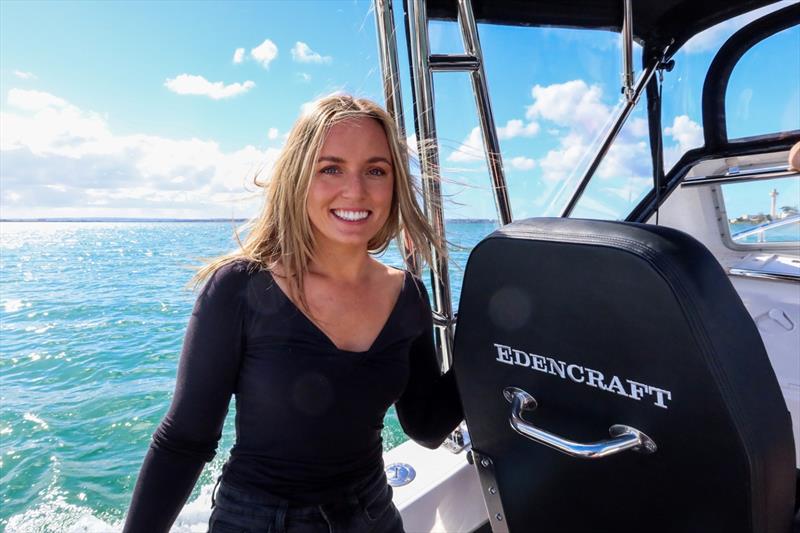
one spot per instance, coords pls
(341, 264)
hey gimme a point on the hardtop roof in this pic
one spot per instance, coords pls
(655, 22)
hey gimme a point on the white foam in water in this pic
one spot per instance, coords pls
(195, 514)
(90, 524)
(58, 515)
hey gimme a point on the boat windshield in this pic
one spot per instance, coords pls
(761, 82)
(554, 93)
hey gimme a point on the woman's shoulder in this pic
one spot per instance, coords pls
(414, 285)
(239, 268)
(231, 277)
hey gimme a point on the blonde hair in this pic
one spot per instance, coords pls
(281, 234)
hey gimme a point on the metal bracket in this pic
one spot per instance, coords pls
(491, 493)
(458, 440)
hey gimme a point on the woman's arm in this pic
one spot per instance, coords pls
(430, 407)
(187, 437)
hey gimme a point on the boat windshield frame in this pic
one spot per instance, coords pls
(716, 144)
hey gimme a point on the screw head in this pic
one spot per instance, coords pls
(492, 490)
(499, 517)
(485, 462)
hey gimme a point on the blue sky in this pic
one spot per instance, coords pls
(145, 109)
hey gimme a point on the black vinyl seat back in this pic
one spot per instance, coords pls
(608, 323)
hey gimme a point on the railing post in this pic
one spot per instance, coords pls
(417, 23)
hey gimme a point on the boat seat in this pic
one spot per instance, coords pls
(612, 380)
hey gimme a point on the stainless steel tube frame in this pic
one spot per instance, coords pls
(417, 24)
(619, 120)
(627, 50)
(491, 144)
(387, 47)
(623, 437)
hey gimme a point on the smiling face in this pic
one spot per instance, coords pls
(351, 193)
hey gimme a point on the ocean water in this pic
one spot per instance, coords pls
(790, 233)
(92, 316)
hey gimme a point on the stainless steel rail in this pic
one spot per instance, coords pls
(387, 47)
(627, 50)
(765, 173)
(423, 64)
(417, 23)
(491, 144)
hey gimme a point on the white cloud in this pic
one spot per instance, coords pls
(686, 134)
(579, 107)
(593, 208)
(24, 75)
(306, 107)
(265, 53)
(523, 163)
(302, 53)
(304, 76)
(516, 128)
(33, 100)
(559, 164)
(632, 189)
(572, 103)
(576, 112)
(272, 134)
(198, 85)
(238, 55)
(469, 150)
(59, 160)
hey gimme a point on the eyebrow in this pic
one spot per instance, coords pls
(334, 159)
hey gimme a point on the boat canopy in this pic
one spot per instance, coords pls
(656, 23)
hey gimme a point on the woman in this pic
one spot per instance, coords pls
(315, 338)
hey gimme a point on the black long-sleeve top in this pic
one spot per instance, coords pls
(308, 415)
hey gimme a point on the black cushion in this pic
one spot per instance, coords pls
(651, 310)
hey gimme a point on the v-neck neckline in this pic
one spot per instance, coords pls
(327, 338)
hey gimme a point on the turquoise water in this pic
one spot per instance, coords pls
(790, 233)
(92, 316)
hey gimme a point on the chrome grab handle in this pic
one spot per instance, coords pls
(623, 437)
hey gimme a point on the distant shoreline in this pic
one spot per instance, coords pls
(236, 220)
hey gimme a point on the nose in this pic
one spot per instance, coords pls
(354, 186)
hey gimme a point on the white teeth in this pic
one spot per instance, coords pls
(351, 215)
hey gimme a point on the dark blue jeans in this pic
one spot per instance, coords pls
(371, 510)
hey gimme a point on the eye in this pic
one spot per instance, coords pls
(377, 171)
(332, 170)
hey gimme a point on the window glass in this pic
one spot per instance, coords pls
(563, 91)
(444, 37)
(764, 211)
(681, 111)
(624, 176)
(763, 94)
